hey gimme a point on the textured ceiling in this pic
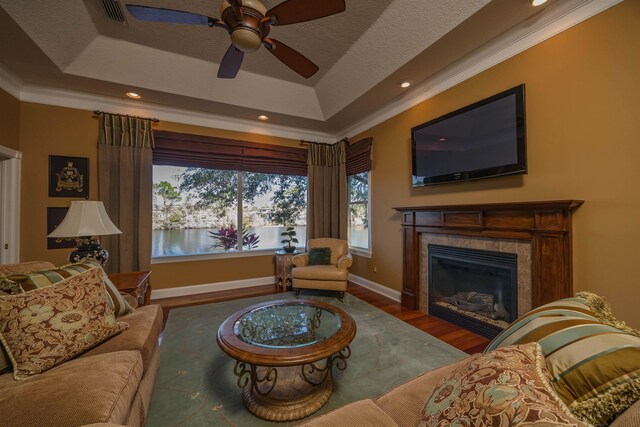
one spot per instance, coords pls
(323, 41)
(363, 54)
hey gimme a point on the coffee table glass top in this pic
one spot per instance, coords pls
(286, 325)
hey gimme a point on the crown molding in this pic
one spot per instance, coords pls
(493, 53)
(91, 102)
(10, 83)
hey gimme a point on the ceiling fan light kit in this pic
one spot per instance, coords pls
(248, 23)
(248, 31)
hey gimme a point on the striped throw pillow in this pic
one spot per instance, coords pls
(42, 279)
(594, 359)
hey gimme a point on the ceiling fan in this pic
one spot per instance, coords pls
(249, 23)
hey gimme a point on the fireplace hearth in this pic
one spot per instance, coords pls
(476, 289)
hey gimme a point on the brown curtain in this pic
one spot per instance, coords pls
(125, 172)
(181, 149)
(359, 156)
(327, 186)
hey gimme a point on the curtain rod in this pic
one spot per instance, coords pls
(154, 120)
(303, 142)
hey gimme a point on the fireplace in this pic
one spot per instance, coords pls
(473, 288)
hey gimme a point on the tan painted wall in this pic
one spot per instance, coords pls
(583, 127)
(46, 130)
(9, 120)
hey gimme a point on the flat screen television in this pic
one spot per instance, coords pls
(483, 140)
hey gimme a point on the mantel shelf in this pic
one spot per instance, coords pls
(547, 204)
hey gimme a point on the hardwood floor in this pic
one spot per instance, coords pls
(458, 337)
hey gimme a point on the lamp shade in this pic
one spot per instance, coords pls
(85, 218)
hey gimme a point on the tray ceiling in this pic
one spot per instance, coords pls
(363, 55)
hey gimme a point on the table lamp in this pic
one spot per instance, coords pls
(83, 220)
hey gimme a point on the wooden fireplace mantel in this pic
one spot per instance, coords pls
(547, 224)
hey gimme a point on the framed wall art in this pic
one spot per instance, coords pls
(54, 218)
(68, 176)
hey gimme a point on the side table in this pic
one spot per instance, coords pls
(136, 283)
(284, 264)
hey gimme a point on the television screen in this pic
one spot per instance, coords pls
(481, 140)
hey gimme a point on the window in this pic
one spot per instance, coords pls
(359, 236)
(204, 211)
(270, 203)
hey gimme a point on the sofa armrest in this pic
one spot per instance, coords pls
(301, 260)
(345, 261)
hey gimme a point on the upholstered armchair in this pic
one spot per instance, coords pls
(332, 276)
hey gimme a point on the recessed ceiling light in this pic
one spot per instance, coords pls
(405, 84)
(537, 2)
(133, 95)
(263, 117)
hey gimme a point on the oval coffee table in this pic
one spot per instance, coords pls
(285, 351)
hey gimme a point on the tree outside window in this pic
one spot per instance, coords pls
(359, 210)
(196, 210)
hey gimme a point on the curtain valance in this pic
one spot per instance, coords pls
(359, 156)
(126, 131)
(326, 154)
(181, 149)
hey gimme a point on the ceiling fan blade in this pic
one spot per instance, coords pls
(230, 63)
(294, 11)
(293, 59)
(156, 14)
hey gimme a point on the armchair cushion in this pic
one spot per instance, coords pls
(319, 256)
(320, 272)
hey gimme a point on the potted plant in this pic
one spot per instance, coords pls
(289, 237)
(227, 238)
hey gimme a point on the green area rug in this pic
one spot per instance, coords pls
(196, 385)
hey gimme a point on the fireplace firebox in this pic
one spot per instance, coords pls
(475, 289)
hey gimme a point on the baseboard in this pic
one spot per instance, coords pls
(180, 291)
(375, 287)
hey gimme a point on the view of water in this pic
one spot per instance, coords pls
(196, 241)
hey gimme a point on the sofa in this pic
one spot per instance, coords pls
(109, 384)
(406, 404)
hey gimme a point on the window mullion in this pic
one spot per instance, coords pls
(239, 219)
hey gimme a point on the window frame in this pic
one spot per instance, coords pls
(239, 251)
(357, 250)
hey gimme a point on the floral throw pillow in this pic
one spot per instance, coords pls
(506, 387)
(41, 329)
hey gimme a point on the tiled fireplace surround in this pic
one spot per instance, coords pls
(538, 232)
(519, 247)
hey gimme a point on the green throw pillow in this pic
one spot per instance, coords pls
(320, 256)
(42, 279)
